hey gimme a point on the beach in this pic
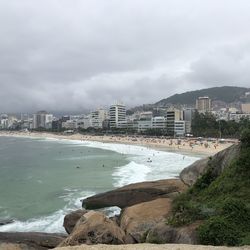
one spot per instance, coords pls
(203, 147)
(63, 169)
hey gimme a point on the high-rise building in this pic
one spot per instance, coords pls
(203, 104)
(172, 116)
(98, 117)
(42, 120)
(117, 113)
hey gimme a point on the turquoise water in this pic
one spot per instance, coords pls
(43, 179)
(36, 175)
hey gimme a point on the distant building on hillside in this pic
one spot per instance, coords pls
(245, 107)
(203, 104)
(117, 114)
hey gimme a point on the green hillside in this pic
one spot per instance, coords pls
(221, 202)
(227, 94)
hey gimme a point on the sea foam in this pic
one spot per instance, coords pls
(145, 164)
(52, 223)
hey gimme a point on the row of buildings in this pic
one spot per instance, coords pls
(171, 120)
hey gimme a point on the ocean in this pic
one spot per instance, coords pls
(43, 179)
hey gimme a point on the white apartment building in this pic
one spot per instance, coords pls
(98, 117)
(70, 124)
(4, 123)
(146, 115)
(42, 120)
(143, 125)
(117, 113)
(159, 122)
(179, 128)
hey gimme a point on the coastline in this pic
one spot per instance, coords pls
(185, 146)
(147, 142)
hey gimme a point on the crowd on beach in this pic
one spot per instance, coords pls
(207, 146)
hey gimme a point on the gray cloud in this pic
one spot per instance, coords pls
(81, 54)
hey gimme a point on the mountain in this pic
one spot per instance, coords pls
(227, 94)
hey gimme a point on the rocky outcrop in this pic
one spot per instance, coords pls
(71, 219)
(138, 219)
(38, 241)
(135, 193)
(95, 228)
(163, 233)
(11, 246)
(219, 162)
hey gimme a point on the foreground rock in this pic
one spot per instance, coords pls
(220, 160)
(11, 246)
(71, 219)
(163, 233)
(135, 193)
(39, 241)
(138, 219)
(95, 228)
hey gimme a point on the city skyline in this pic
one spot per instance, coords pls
(79, 55)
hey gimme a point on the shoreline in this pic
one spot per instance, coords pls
(187, 146)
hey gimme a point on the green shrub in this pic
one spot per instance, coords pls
(244, 161)
(236, 211)
(186, 211)
(205, 180)
(245, 240)
(218, 231)
(245, 138)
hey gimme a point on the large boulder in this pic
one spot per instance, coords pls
(38, 241)
(11, 246)
(163, 233)
(219, 161)
(135, 193)
(138, 219)
(71, 219)
(95, 228)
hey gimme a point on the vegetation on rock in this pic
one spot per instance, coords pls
(221, 202)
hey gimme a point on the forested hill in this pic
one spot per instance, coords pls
(226, 94)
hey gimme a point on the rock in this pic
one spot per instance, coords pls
(71, 219)
(38, 241)
(163, 233)
(11, 246)
(220, 161)
(135, 193)
(138, 219)
(190, 174)
(95, 228)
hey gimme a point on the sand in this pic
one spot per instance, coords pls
(151, 247)
(204, 147)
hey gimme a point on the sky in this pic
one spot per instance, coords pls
(76, 55)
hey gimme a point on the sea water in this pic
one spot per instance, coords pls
(42, 179)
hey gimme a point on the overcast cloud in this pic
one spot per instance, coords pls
(83, 54)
